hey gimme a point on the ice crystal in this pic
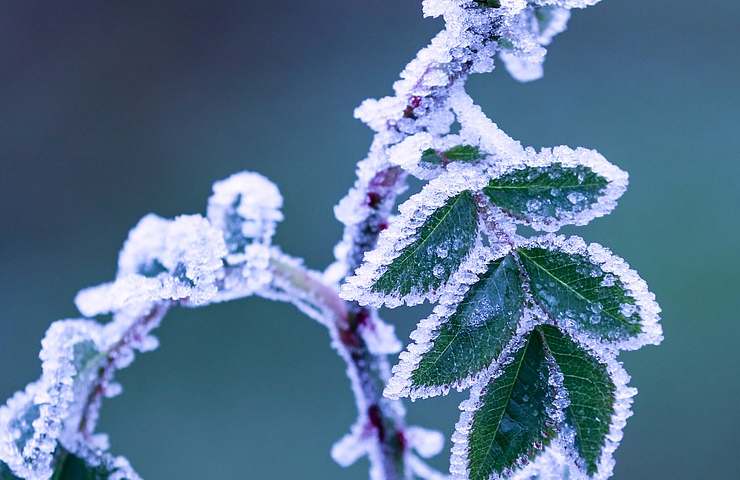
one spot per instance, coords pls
(403, 232)
(33, 421)
(246, 207)
(548, 212)
(440, 246)
(613, 270)
(162, 260)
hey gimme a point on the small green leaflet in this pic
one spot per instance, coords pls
(71, 467)
(411, 264)
(459, 153)
(554, 187)
(589, 290)
(443, 242)
(591, 392)
(481, 326)
(489, 3)
(511, 414)
(510, 422)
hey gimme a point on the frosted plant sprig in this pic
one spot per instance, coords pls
(532, 326)
(523, 292)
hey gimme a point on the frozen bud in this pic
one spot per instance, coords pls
(143, 247)
(246, 208)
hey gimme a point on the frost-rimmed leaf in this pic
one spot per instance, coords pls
(508, 417)
(477, 321)
(458, 153)
(426, 156)
(591, 293)
(557, 187)
(33, 420)
(415, 257)
(598, 402)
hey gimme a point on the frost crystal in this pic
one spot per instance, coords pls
(246, 207)
(34, 420)
(403, 232)
(614, 269)
(162, 260)
(547, 213)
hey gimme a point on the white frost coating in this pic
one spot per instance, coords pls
(582, 211)
(193, 244)
(423, 337)
(478, 129)
(459, 454)
(543, 24)
(95, 456)
(635, 287)
(403, 231)
(352, 446)
(58, 396)
(379, 336)
(551, 464)
(247, 202)
(427, 443)
(422, 470)
(190, 258)
(623, 396)
(143, 247)
(13, 428)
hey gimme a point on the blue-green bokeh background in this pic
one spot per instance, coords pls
(110, 110)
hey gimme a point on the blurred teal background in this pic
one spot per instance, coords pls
(111, 109)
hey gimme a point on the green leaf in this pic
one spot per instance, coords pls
(482, 325)
(72, 467)
(67, 467)
(591, 392)
(547, 197)
(463, 153)
(576, 292)
(511, 422)
(443, 241)
(459, 153)
(430, 155)
(6, 473)
(489, 3)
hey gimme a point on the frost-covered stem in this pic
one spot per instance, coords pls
(138, 330)
(368, 372)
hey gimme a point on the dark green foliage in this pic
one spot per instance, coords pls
(511, 421)
(442, 244)
(551, 191)
(591, 392)
(573, 289)
(481, 327)
(459, 153)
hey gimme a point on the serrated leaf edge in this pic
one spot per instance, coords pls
(616, 178)
(427, 330)
(459, 463)
(623, 395)
(402, 232)
(635, 287)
